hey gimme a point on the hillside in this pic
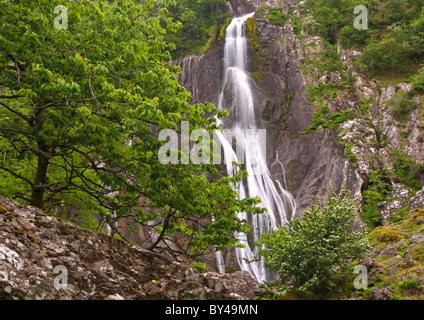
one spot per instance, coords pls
(111, 112)
(43, 258)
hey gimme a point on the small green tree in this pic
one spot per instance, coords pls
(418, 80)
(317, 248)
(387, 57)
(376, 191)
(401, 105)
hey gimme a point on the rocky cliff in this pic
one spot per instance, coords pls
(293, 85)
(312, 162)
(42, 257)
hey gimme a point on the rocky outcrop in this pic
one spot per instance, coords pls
(42, 257)
(201, 75)
(242, 7)
(395, 268)
(286, 66)
(311, 163)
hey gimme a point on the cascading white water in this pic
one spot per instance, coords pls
(278, 201)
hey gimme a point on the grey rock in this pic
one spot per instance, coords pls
(390, 251)
(36, 248)
(369, 263)
(242, 283)
(393, 270)
(408, 262)
(417, 238)
(380, 293)
(417, 201)
(400, 244)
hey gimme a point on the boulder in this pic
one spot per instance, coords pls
(380, 293)
(42, 257)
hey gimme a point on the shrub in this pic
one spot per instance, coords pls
(199, 266)
(401, 105)
(418, 80)
(387, 56)
(376, 190)
(277, 17)
(350, 37)
(408, 170)
(316, 249)
(411, 284)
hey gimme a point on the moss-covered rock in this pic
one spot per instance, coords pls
(382, 235)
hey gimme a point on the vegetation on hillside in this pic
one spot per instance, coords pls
(200, 21)
(393, 42)
(315, 253)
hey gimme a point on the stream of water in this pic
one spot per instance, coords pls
(238, 98)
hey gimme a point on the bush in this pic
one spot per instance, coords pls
(199, 266)
(350, 37)
(387, 56)
(317, 249)
(418, 80)
(400, 105)
(277, 17)
(408, 170)
(377, 189)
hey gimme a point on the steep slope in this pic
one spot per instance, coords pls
(312, 162)
(42, 257)
(327, 123)
(396, 264)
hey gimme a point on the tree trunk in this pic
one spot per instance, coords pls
(37, 198)
(38, 188)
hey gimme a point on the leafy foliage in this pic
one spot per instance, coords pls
(376, 191)
(199, 266)
(401, 105)
(408, 170)
(393, 41)
(317, 248)
(199, 20)
(276, 16)
(418, 80)
(322, 117)
(382, 57)
(80, 109)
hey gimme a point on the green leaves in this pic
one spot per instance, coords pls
(80, 111)
(316, 248)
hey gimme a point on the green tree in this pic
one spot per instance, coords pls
(200, 21)
(418, 80)
(80, 108)
(318, 248)
(387, 56)
(417, 33)
(376, 190)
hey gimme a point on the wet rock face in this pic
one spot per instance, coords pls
(45, 258)
(242, 7)
(201, 75)
(311, 162)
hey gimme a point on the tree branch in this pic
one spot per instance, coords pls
(16, 175)
(27, 118)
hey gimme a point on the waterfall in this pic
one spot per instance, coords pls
(238, 97)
